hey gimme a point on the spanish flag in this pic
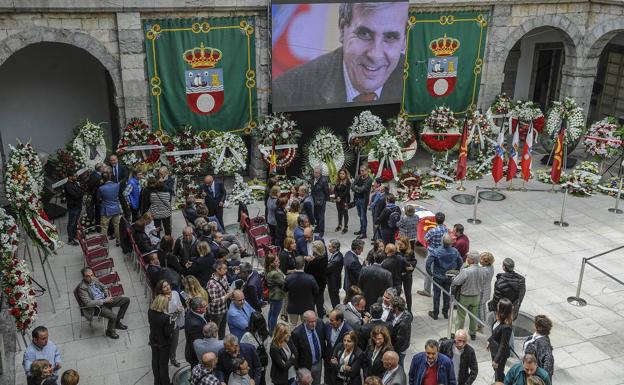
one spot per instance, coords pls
(462, 162)
(555, 172)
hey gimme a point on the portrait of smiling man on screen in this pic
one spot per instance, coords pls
(368, 68)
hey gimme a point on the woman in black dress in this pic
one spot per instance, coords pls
(283, 356)
(346, 361)
(161, 330)
(342, 192)
(281, 221)
(405, 249)
(498, 343)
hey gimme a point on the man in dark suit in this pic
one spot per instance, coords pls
(378, 204)
(374, 280)
(308, 339)
(304, 244)
(307, 206)
(367, 68)
(395, 264)
(214, 195)
(401, 332)
(334, 271)
(302, 291)
(320, 196)
(232, 349)
(194, 322)
(394, 374)
(94, 181)
(119, 174)
(335, 329)
(316, 265)
(352, 265)
(253, 285)
(155, 272)
(365, 331)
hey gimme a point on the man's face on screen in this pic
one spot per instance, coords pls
(372, 43)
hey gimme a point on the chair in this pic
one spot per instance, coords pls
(92, 239)
(95, 252)
(116, 290)
(109, 279)
(102, 268)
(97, 311)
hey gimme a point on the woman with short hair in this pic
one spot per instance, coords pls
(486, 260)
(41, 373)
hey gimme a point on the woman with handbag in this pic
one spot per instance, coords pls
(346, 361)
(283, 356)
(161, 330)
(498, 343)
(257, 336)
(342, 192)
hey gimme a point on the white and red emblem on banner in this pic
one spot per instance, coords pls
(442, 69)
(204, 82)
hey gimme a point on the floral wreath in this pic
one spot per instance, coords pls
(601, 141)
(278, 130)
(440, 121)
(227, 154)
(502, 105)
(241, 193)
(24, 153)
(16, 278)
(523, 113)
(186, 140)
(480, 127)
(326, 152)
(385, 157)
(88, 136)
(411, 182)
(137, 133)
(570, 112)
(364, 127)
(404, 134)
(68, 161)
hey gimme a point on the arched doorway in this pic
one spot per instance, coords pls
(534, 67)
(47, 89)
(607, 55)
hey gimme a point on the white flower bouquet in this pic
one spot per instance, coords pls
(364, 126)
(89, 140)
(277, 129)
(326, 152)
(601, 141)
(241, 193)
(570, 114)
(228, 154)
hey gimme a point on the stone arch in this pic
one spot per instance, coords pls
(90, 44)
(597, 38)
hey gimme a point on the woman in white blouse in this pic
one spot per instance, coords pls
(347, 361)
(176, 311)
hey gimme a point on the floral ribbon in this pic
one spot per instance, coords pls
(382, 161)
(363, 134)
(187, 152)
(221, 158)
(141, 147)
(64, 180)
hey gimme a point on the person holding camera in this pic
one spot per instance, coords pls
(160, 337)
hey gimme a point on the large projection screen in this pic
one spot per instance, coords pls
(329, 55)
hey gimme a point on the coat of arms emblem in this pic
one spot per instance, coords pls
(204, 82)
(442, 68)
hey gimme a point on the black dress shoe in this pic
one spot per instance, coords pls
(433, 315)
(112, 334)
(445, 314)
(175, 363)
(473, 336)
(356, 233)
(121, 326)
(345, 230)
(361, 236)
(338, 228)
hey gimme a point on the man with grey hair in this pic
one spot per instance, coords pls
(302, 223)
(334, 271)
(470, 281)
(232, 350)
(308, 339)
(385, 301)
(304, 377)
(374, 280)
(320, 196)
(439, 262)
(210, 342)
(307, 203)
(367, 68)
(194, 322)
(463, 356)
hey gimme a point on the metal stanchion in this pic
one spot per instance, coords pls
(577, 300)
(474, 219)
(616, 209)
(450, 329)
(461, 186)
(561, 222)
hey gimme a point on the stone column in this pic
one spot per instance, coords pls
(578, 83)
(257, 168)
(132, 57)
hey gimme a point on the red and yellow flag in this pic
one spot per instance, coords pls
(555, 172)
(462, 162)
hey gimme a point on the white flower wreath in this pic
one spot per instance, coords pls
(25, 154)
(90, 136)
(601, 141)
(326, 152)
(224, 163)
(575, 120)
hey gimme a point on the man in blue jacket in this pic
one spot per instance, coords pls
(134, 195)
(429, 367)
(439, 261)
(110, 207)
(238, 314)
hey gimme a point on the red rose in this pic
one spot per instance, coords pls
(12, 302)
(7, 290)
(15, 312)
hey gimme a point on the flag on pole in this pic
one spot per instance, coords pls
(462, 162)
(526, 155)
(555, 172)
(512, 164)
(497, 163)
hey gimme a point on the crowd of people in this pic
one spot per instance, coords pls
(243, 324)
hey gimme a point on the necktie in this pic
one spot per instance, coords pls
(115, 173)
(317, 347)
(210, 191)
(365, 97)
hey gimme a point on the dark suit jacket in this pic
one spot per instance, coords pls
(302, 290)
(352, 267)
(373, 368)
(300, 341)
(374, 280)
(225, 366)
(334, 269)
(253, 291)
(161, 328)
(178, 250)
(365, 331)
(122, 173)
(397, 378)
(212, 203)
(202, 268)
(280, 364)
(354, 377)
(329, 348)
(321, 82)
(193, 326)
(320, 191)
(401, 332)
(287, 260)
(468, 366)
(396, 266)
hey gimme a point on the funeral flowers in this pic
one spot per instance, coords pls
(364, 126)
(186, 159)
(227, 154)
(570, 114)
(90, 142)
(276, 129)
(386, 154)
(241, 193)
(601, 141)
(326, 152)
(137, 133)
(502, 105)
(441, 120)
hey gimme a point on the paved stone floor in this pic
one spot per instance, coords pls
(588, 341)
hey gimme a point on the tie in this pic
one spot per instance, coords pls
(115, 173)
(210, 191)
(366, 97)
(317, 347)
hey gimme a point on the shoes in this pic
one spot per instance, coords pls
(473, 336)
(73, 242)
(361, 236)
(433, 315)
(175, 363)
(112, 334)
(423, 293)
(480, 328)
(284, 317)
(356, 233)
(345, 230)
(445, 314)
(338, 228)
(120, 326)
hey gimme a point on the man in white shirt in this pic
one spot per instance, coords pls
(394, 374)
(386, 304)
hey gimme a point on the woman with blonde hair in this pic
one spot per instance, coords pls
(161, 330)
(291, 217)
(203, 265)
(70, 377)
(192, 288)
(283, 356)
(404, 248)
(176, 311)
(41, 373)
(486, 260)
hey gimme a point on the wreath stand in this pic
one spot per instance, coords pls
(43, 259)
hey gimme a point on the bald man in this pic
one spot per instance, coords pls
(238, 314)
(394, 374)
(203, 373)
(308, 339)
(395, 264)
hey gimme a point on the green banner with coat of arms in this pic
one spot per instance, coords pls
(444, 60)
(202, 72)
